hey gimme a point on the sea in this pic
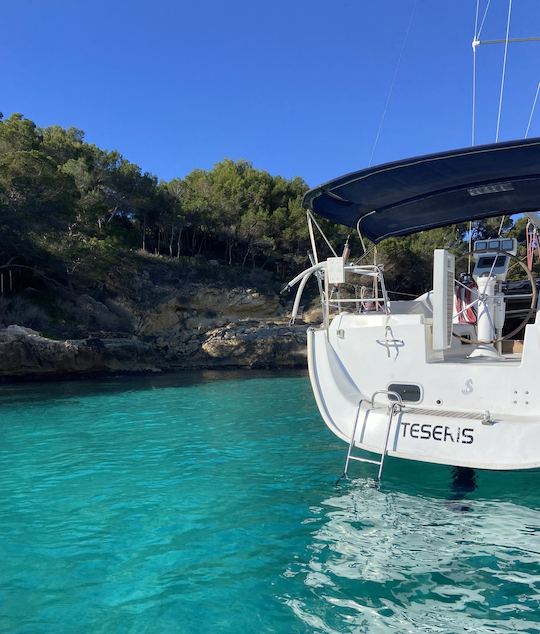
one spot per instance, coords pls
(211, 502)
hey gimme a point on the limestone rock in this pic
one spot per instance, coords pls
(263, 345)
(24, 352)
(235, 302)
(202, 326)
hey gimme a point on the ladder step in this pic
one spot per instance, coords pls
(377, 462)
(392, 409)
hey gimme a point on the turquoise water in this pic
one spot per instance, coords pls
(209, 504)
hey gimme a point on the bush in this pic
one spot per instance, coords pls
(22, 312)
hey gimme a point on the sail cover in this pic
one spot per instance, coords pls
(436, 190)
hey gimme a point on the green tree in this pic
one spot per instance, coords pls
(18, 134)
(30, 183)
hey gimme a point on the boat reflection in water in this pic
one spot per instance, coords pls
(384, 560)
(463, 482)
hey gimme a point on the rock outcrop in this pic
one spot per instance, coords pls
(208, 328)
(263, 345)
(25, 352)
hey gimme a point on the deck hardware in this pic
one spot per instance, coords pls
(390, 341)
(486, 418)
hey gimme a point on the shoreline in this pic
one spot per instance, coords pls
(27, 356)
(216, 372)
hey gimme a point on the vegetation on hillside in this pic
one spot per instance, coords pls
(75, 218)
(51, 179)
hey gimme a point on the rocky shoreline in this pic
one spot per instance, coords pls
(25, 353)
(149, 322)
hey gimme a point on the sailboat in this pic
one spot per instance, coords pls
(447, 377)
(431, 378)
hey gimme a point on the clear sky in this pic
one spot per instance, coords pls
(297, 87)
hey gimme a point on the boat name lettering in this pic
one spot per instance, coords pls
(442, 433)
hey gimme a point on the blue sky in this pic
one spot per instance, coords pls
(296, 87)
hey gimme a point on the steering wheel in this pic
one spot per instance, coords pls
(522, 323)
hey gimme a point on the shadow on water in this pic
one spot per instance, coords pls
(78, 387)
(463, 483)
(458, 486)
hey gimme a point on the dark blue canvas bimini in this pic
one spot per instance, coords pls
(407, 196)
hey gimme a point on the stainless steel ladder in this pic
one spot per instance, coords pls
(393, 407)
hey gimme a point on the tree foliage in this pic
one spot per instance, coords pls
(233, 212)
(51, 179)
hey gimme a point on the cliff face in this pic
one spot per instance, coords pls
(201, 327)
(209, 327)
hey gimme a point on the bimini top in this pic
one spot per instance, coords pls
(436, 190)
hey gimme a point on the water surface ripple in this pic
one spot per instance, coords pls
(209, 504)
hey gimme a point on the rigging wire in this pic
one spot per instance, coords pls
(532, 110)
(474, 46)
(503, 76)
(477, 33)
(503, 70)
(391, 89)
(475, 43)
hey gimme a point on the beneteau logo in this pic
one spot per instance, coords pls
(442, 433)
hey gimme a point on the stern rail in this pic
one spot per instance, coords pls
(330, 292)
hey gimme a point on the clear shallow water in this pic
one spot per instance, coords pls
(209, 504)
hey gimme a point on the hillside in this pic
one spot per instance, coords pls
(111, 269)
(130, 310)
(104, 267)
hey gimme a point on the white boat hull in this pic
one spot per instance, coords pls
(344, 376)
